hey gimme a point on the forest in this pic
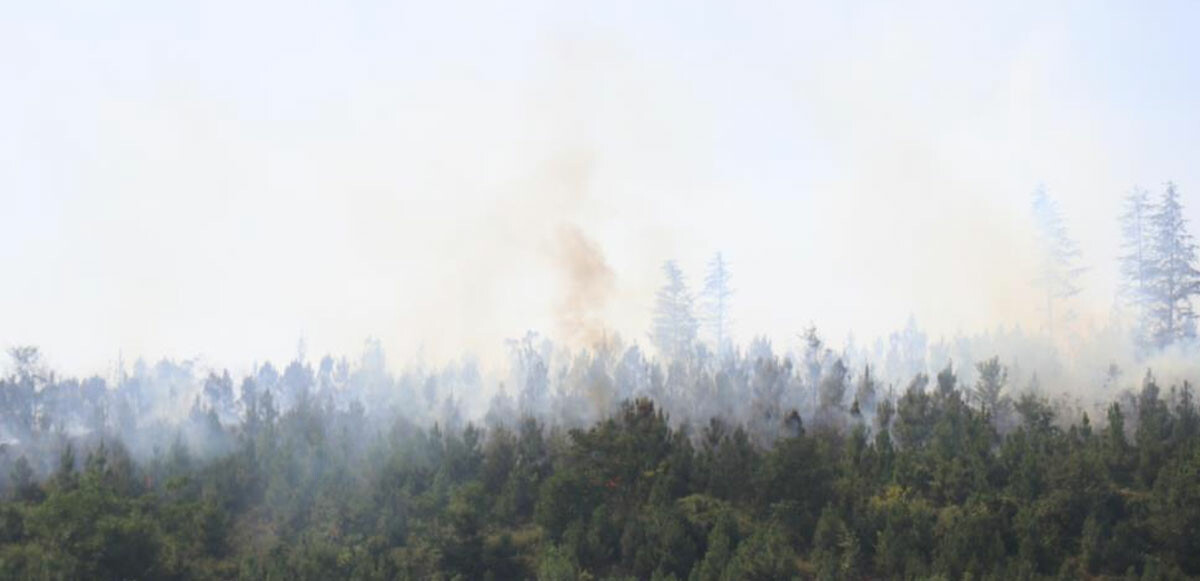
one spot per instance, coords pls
(696, 460)
(925, 488)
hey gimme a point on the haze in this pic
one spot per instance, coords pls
(223, 179)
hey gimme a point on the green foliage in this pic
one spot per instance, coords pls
(556, 565)
(931, 488)
(764, 555)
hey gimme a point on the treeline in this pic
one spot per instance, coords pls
(926, 488)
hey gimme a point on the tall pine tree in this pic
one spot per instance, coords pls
(1136, 260)
(717, 295)
(1059, 270)
(1173, 275)
(675, 325)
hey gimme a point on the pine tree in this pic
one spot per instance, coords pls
(675, 326)
(865, 392)
(989, 387)
(1136, 260)
(717, 295)
(1059, 271)
(1173, 275)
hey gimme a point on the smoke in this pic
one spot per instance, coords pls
(444, 203)
(588, 285)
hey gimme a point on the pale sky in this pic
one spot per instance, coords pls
(219, 179)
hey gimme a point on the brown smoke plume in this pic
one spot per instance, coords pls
(588, 284)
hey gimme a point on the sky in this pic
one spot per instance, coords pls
(221, 179)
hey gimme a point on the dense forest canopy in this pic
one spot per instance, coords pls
(292, 480)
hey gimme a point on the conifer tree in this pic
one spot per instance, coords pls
(674, 330)
(717, 295)
(1059, 269)
(1173, 275)
(1136, 258)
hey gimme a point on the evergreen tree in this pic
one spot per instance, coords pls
(1136, 258)
(23, 485)
(833, 388)
(865, 392)
(674, 330)
(989, 387)
(717, 295)
(1059, 269)
(816, 357)
(1173, 275)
